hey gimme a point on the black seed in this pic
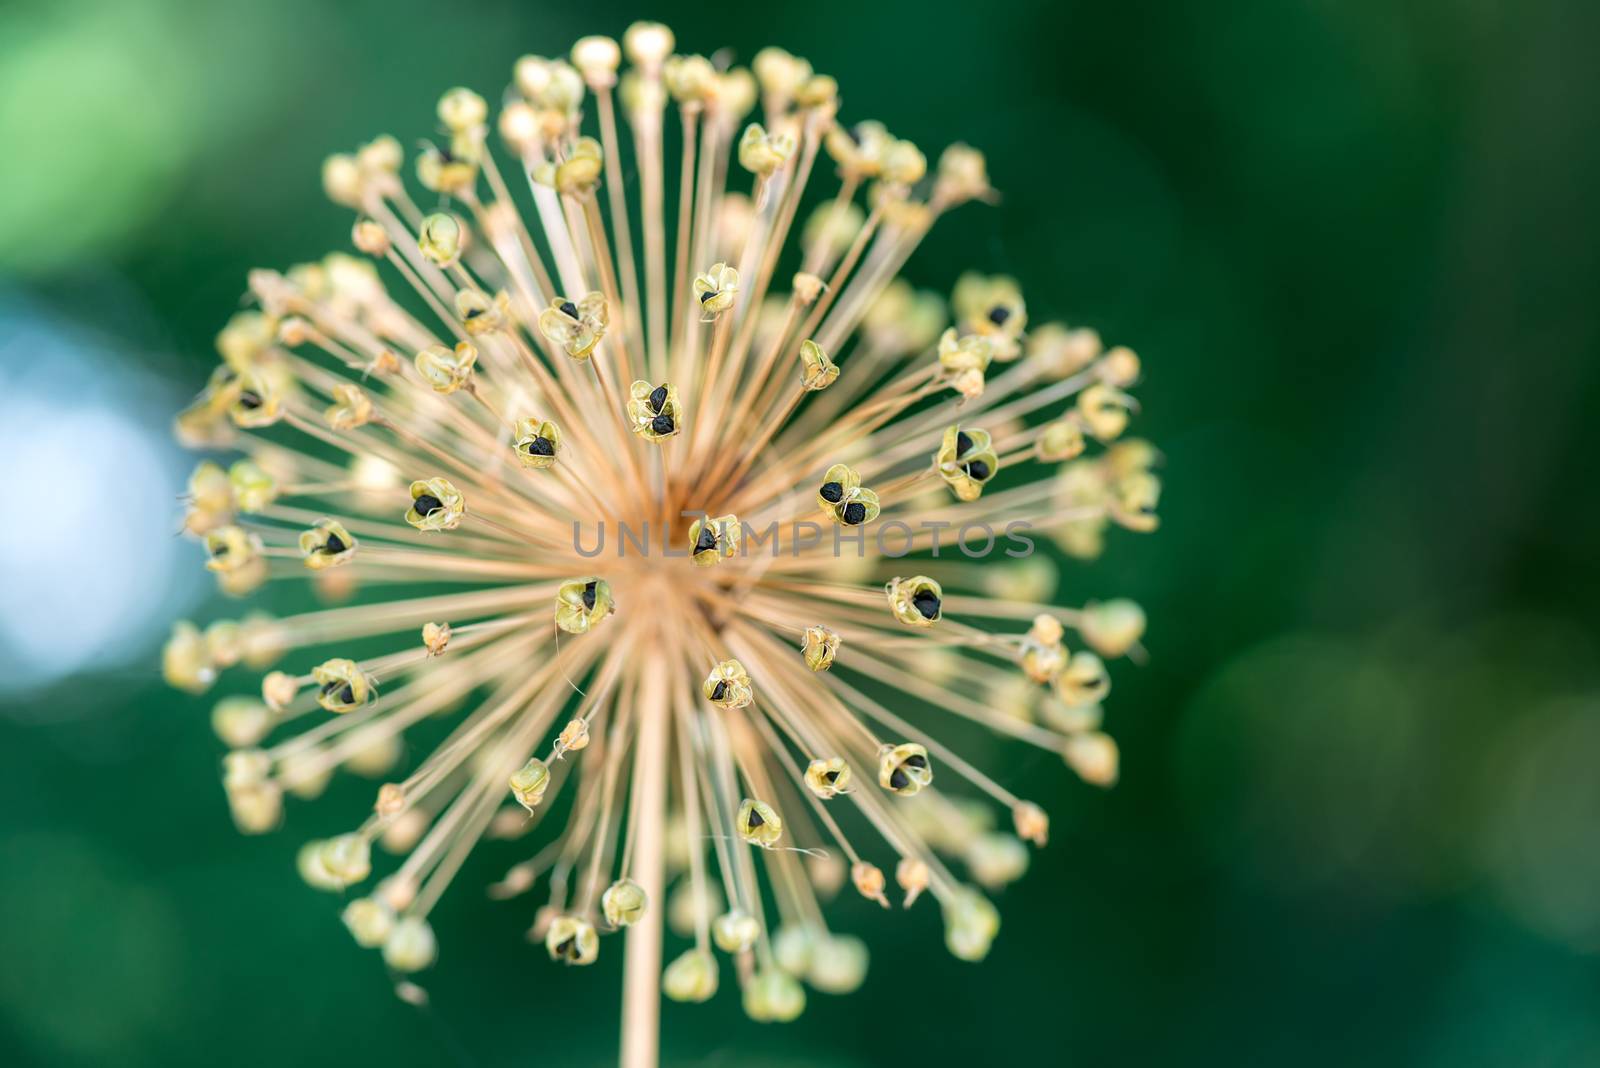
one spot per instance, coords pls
(719, 691)
(831, 492)
(569, 309)
(707, 295)
(927, 603)
(963, 443)
(855, 513)
(541, 447)
(565, 949)
(915, 760)
(661, 424)
(978, 470)
(474, 313)
(588, 596)
(829, 776)
(999, 314)
(250, 399)
(706, 541)
(899, 780)
(854, 132)
(755, 819)
(427, 504)
(334, 545)
(658, 399)
(220, 549)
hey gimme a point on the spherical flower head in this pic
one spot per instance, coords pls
(575, 326)
(342, 685)
(729, 686)
(967, 461)
(844, 499)
(715, 291)
(572, 940)
(436, 505)
(328, 544)
(916, 601)
(691, 977)
(819, 645)
(654, 412)
(828, 778)
(713, 540)
(904, 769)
(538, 443)
(581, 603)
(761, 153)
(817, 372)
(757, 823)
(623, 903)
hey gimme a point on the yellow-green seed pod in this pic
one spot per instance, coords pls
(482, 314)
(762, 153)
(241, 722)
(224, 642)
(1083, 681)
(716, 290)
(343, 686)
(904, 769)
(902, 165)
(916, 601)
(575, 326)
(791, 948)
(538, 442)
(573, 737)
(256, 809)
(441, 239)
(992, 308)
(819, 645)
(449, 172)
(250, 488)
(347, 859)
(735, 931)
(963, 175)
(713, 540)
(653, 411)
(1119, 367)
(846, 501)
(828, 778)
(729, 686)
(691, 80)
(369, 920)
(328, 544)
(967, 461)
(581, 603)
(964, 358)
(572, 940)
(186, 661)
(1043, 655)
(435, 638)
(369, 236)
(818, 91)
(858, 149)
(278, 689)
(435, 505)
(530, 782)
(817, 372)
(758, 824)
(1093, 755)
(597, 59)
(576, 176)
(1060, 352)
(971, 923)
(351, 408)
(773, 996)
(253, 403)
(411, 946)
(780, 73)
(623, 903)
(462, 109)
(446, 370)
(691, 977)
(342, 180)
(1112, 627)
(231, 548)
(1104, 410)
(996, 860)
(1061, 440)
(838, 964)
(210, 499)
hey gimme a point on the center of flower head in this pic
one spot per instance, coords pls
(631, 527)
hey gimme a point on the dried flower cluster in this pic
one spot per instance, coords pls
(763, 420)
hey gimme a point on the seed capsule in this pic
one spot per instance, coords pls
(441, 239)
(579, 174)
(1061, 440)
(858, 149)
(482, 314)
(971, 923)
(714, 291)
(763, 153)
(828, 778)
(278, 689)
(735, 931)
(462, 109)
(530, 782)
(844, 499)
(573, 737)
(581, 603)
(819, 645)
(435, 637)
(690, 977)
(253, 402)
(712, 541)
(868, 881)
(538, 442)
(966, 461)
(250, 489)
(351, 408)
(758, 824)
(1104, 410)
(347, 859)
(1112, 627)
(435, 505)
(369, 921)
(964, 352)
(1083, 681)
(996, 860)
(653, 411)
(912, 875)
(1093, 756)
(575, 326)
(838, 964)
(903, 165)
(185, 661)
(916, 601)
(773, 996)
(344, 686)
(623, 903)
(411, 946)
(328, 544)
(572, 940)
(231, 548)
(817, 372)
(728, 685)
(446, 370)
(904, 769)
(1031, 822)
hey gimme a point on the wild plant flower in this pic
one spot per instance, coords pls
(437, 433)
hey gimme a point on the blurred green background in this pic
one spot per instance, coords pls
(1355, 243)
